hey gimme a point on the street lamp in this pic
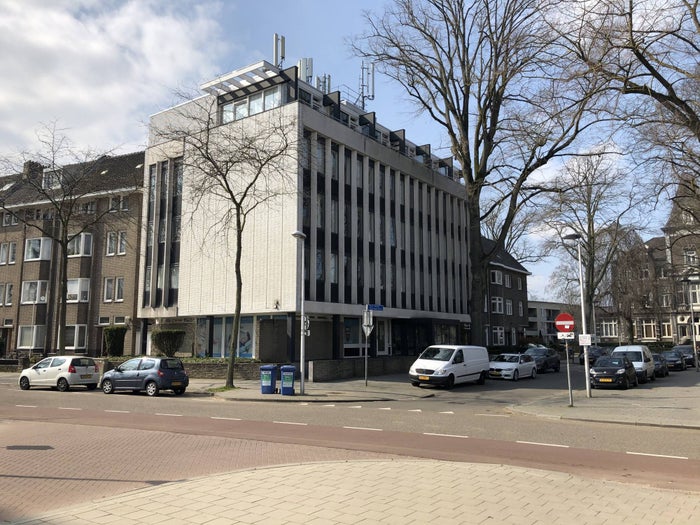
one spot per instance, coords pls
(300, 236)
(686, 282)
(576, 237)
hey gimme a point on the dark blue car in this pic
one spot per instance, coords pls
(151, 374)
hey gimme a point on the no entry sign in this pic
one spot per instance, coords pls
(564, 322)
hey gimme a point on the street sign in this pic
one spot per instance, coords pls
(584, 339)
(367, 322)
(565, 335)
(564, 322)
(375, 307)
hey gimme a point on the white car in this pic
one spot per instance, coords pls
(61, 372)
(513, 366)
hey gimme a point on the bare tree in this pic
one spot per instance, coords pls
(53, 192)
(232, 170)
(603, 205)
(493, 76)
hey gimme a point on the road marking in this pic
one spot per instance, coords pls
(356, 406)
(227, 418)
(169, 415)
(69, 408)
(448, 412)
(416, 410)
(655, 455)
(118, 411)
(26, 406)
(445, 435)
(364, 428)
(493, 415)
(542, 444)
(385, 408)
(290, 423)
(328, 405)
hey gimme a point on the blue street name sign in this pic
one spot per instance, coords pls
(375, 307)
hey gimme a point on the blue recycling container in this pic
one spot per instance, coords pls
(288, 380)
(268, 378)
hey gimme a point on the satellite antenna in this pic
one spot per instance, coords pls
(278, 50)
(366, 84)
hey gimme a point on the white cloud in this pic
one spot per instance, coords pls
(99, 68)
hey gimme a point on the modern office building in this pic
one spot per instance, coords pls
(384, 224)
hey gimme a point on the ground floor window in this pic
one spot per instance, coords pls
(214, 334)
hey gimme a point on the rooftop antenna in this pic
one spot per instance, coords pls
(278, 50)
(366, 84)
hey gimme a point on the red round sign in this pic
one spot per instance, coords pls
(564, 322)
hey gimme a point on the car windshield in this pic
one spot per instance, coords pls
(504, 358)
(536, 351)
(609, 361)
(437, 354)
(671, 353)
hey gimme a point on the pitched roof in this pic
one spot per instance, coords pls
(503, 258)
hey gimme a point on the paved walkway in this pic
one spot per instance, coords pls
(405, 491)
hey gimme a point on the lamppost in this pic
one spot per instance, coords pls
(576, 237)
(686, 283)
(300, 236)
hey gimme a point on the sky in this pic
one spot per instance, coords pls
(98, 69)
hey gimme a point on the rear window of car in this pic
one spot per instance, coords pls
(633, 356)
(83, 361)
(174, 364)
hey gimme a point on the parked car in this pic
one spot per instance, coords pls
(151, 374)
(613, 371)
(688, 353)
(594, 352)
(448, 365)
(545, 358)
(61, 372)
(641, 358)
(513, 366)
(660, 365)
(675, 360)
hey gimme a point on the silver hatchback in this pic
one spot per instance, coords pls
(61, 372)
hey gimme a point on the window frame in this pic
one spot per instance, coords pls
(40, 286)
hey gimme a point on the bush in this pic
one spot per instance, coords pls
(167, 342)
(114, 340)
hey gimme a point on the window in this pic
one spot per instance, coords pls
(51, 180)
(78, 291)
(121, 249)
(109, 289)
(9, 219)
(666, 299)
(12, 255)
(508, 280)
(520, 283)
(38, 249)
(520, 308)
(75, 336)
(116, 243)
(88, 208)
(119, 319)
(497, 305)
(80, 245)
(690, 256)
(103, 320)
(4, 249)
(644, 272)
(251, 105)
(499, 335)
(119, 203)
(119, 289)
(9, 289)
(509, 307)
(31, 336)
(34, 292)
(496, 277)
(2, 293)
(648, 329)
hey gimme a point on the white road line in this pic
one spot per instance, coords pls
(445, 435)
(542, 444)
(290, 423)
(356, 406)
(227, 418)
(655, 455)
(69, 408)
(385, 408)
(118, 411)
(328, 405)
(364, 428)
(26, 406)
(448, 412)
(169, 415)
(416, 410)
(493, 415)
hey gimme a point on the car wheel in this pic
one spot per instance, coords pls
(482, 378)
(179, 391)
(151, 388)
(533, 374)
(24, 383)
(413, 383)
(107, 386)
(92, 386)
(515, 375)
(63, 385)
(625, 383)
(450, 382)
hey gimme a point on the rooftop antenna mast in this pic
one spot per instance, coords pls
(366, 84)
(278, 50)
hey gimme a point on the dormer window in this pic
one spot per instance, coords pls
(51, 180)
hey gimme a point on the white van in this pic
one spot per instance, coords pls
(641, 358)
(448, 365)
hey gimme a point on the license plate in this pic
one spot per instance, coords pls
(424, 378)
(176, 383)
(605, 380)
(85, 376)
(495, 373)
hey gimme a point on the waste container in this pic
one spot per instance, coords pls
(288, 380)
(268, 378)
